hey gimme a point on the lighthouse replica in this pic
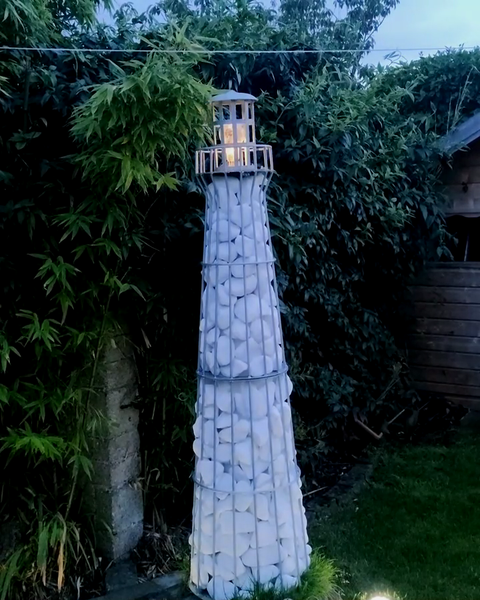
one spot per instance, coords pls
(249, 523)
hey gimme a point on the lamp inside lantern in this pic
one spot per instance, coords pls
(234, 127)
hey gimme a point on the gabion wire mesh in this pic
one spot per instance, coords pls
(249, 523)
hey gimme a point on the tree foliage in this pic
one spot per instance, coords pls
(445, 87)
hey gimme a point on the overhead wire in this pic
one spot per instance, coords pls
(226, 51)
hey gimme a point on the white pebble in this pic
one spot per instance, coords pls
(225, 543)
(224, 230)
(245, 247)
(285, 582)
(242, 452)
(276, 425)
(244, 522)
(248, 350)
(223, 485)
(267, 573)
(260, 365)
(240, 431)
(220, 589)
(238, 330)
(260, 431)
(216, 274)
(265, 535)
(224, 350)
(260, 507)
(240, 287)
(260, 330)
(261, 557)
(208, 470)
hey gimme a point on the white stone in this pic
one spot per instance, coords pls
(286, 582)
(211, 365)
(267, 573)
(263, 482)
(225, 420)
(255, 400)
(207, 470)
(243, 496)
(248, 350)
(259, 232)
(260, 365)
(223, 398)
(223, 316)
(260, 507)
(276, 425)
(224, 230)
(261, 557)
(272, 450)
(212, 335)
(263, 252)
(241, 216)
(245, 582)
(206, 525)
(266, 534)
(228, 566)
(243, 267)
(240, 287)
(240, 474)
(223, 505)
(245, 247)
(224, 485)
(260, 431)
(237, 368)
(200, 567)
(244, 522)
(216, 274)
(260, 330)
(252, 188)
(283, 388)
(240, 431)
(224, 293)
(220, 589)
(238, 330)
(258, 466)
(207, 503)
(224, 350)
(203, 543)
(227, 251)
(233, 546)
(242, 452)
(251, 307)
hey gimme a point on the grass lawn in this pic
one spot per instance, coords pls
(415, 527)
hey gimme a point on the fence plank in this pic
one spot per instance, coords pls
(434, 310)
(454, 360)
(446, 327)
(443, 343)
(444, 375)
(448, 390)
(445, 295)
(452, 277)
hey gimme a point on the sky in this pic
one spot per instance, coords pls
(416, 24)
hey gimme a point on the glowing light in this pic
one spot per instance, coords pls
(380, 598)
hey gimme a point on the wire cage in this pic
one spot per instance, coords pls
(249, 524)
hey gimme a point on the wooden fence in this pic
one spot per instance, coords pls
(444, 344)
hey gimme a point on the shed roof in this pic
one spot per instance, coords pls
(466, 133)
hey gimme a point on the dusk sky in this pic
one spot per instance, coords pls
(418, 24)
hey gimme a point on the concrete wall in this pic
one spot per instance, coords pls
(114, 492)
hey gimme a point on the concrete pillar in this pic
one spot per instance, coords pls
(114, 494)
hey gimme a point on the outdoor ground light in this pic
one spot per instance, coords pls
(249, 523)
